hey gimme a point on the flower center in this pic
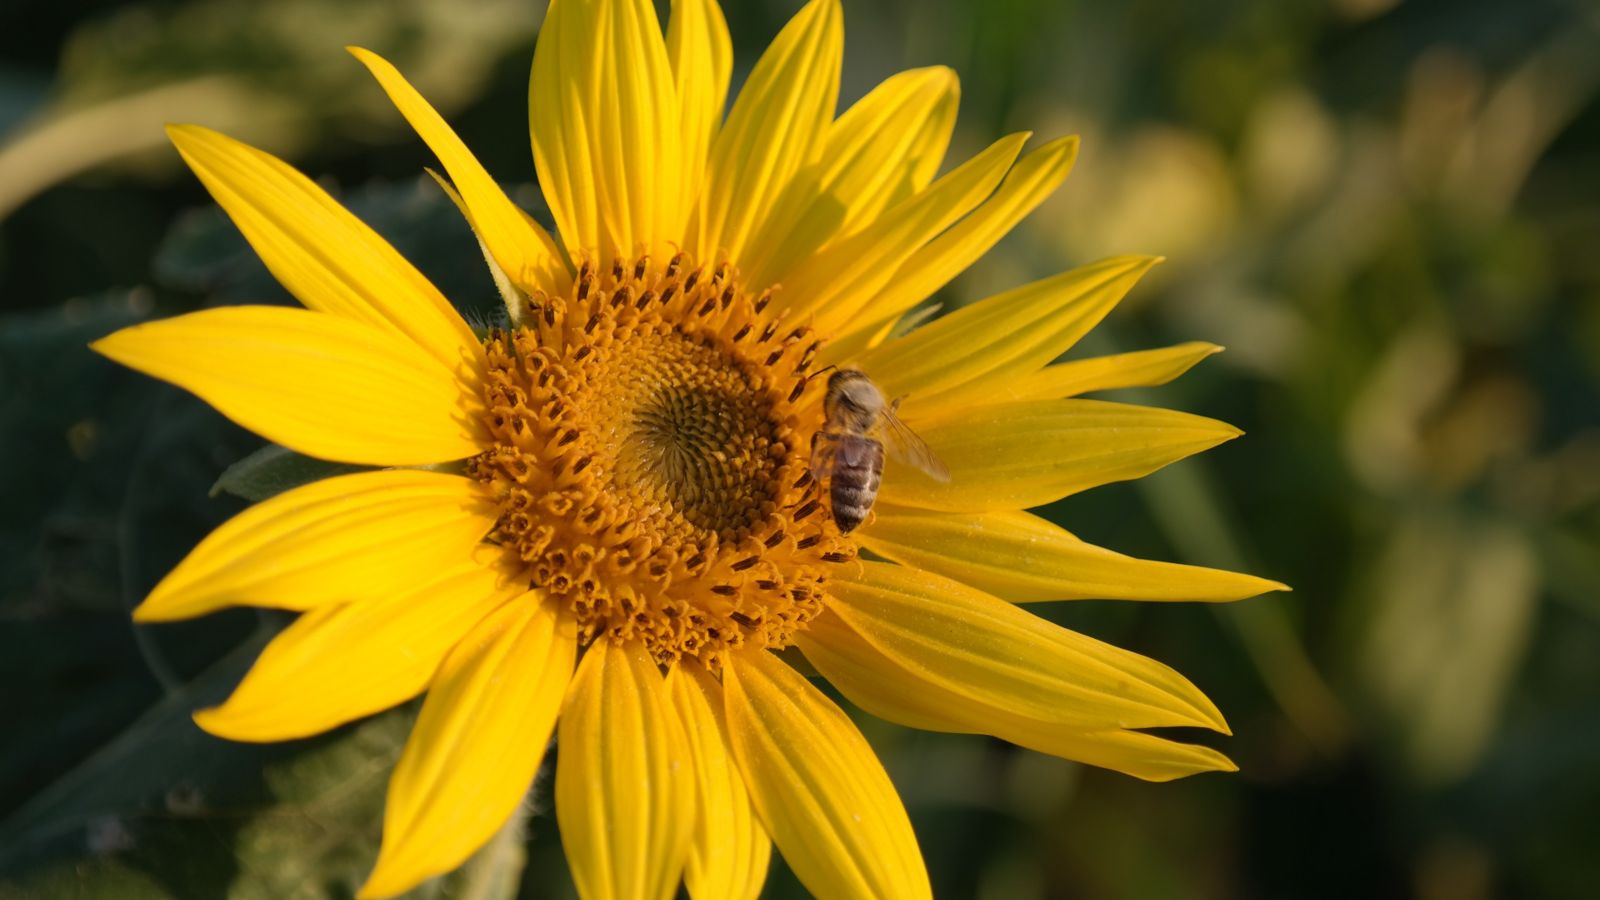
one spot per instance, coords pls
(697, 439)
(651, 435)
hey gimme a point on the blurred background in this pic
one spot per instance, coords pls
(1388, 211)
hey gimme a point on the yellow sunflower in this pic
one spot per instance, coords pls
(603, 517)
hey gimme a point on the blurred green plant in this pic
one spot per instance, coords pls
(273, 74)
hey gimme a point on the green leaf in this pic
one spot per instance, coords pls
(166, 810)
(272, 470)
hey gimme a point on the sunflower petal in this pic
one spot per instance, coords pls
(976, 352)
(776, 127)
(524, 251)
(701, 54)
(335, 664)
(1002, 657)
(820, 790)
(512, 297)
(1141, 368)
(1022, 558)
(729, 853)
(329, 259)
(889, 144)
(326, 386)
(1035, 178)
(603, 111)
(1033, 452)
(477, 743)
(339, 540)
(881, 686)
(835, 283)
(884, 149)
(624, 792)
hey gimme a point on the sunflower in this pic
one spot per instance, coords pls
(600, 521)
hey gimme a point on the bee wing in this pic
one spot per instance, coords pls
(904, 445)
(823, 448)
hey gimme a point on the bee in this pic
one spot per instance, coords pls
(848, 452)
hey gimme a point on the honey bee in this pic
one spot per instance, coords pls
(848, 452)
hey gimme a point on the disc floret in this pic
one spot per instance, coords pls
(650, 454)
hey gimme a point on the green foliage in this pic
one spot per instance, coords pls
(272, 470)
(124, 796)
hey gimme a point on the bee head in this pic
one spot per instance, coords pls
(852, 393)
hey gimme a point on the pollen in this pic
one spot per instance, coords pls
(651, 436)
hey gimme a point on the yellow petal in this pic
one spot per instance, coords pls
(1033, 452)
(867, 147)
(1022, 558)
(729, 853)
(514, 298)
(881, 686)
(775, 128)
(326, 386)
(1142, 368)
(1035, 178)
(624, 782)
(856, 340)
(603, 110)
(838, 280)
(330, 260)
(1003, 657)
(976, 352)
(339, 540)
(477, 743)
(524, 251)
(882, 150)
(701, 54)
(820, 790)
(339, 663)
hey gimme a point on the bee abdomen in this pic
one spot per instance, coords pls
(856, 476)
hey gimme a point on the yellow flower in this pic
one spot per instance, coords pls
(626, 525)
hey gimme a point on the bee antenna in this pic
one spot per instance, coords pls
(807, 379)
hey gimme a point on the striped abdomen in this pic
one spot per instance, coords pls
(853, 484)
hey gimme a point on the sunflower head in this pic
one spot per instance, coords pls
(650, 431)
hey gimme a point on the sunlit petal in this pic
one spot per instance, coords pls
(975, 352)
(339, 663)
(326, 386)
(729, 853)
(624, 782)
(882, 686)
(477, 743)
(338, 540)
(882, 150)
(1022, 558)
(524, 251)
(1001, 656)
(603, 110)
(837, 281)
(1029, 453)
(330, 260)
(701, 54)
(1141, 368)
(1035, 177)
(820, 790)
(777, 126)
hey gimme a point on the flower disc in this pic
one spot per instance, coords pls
(651, 456)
